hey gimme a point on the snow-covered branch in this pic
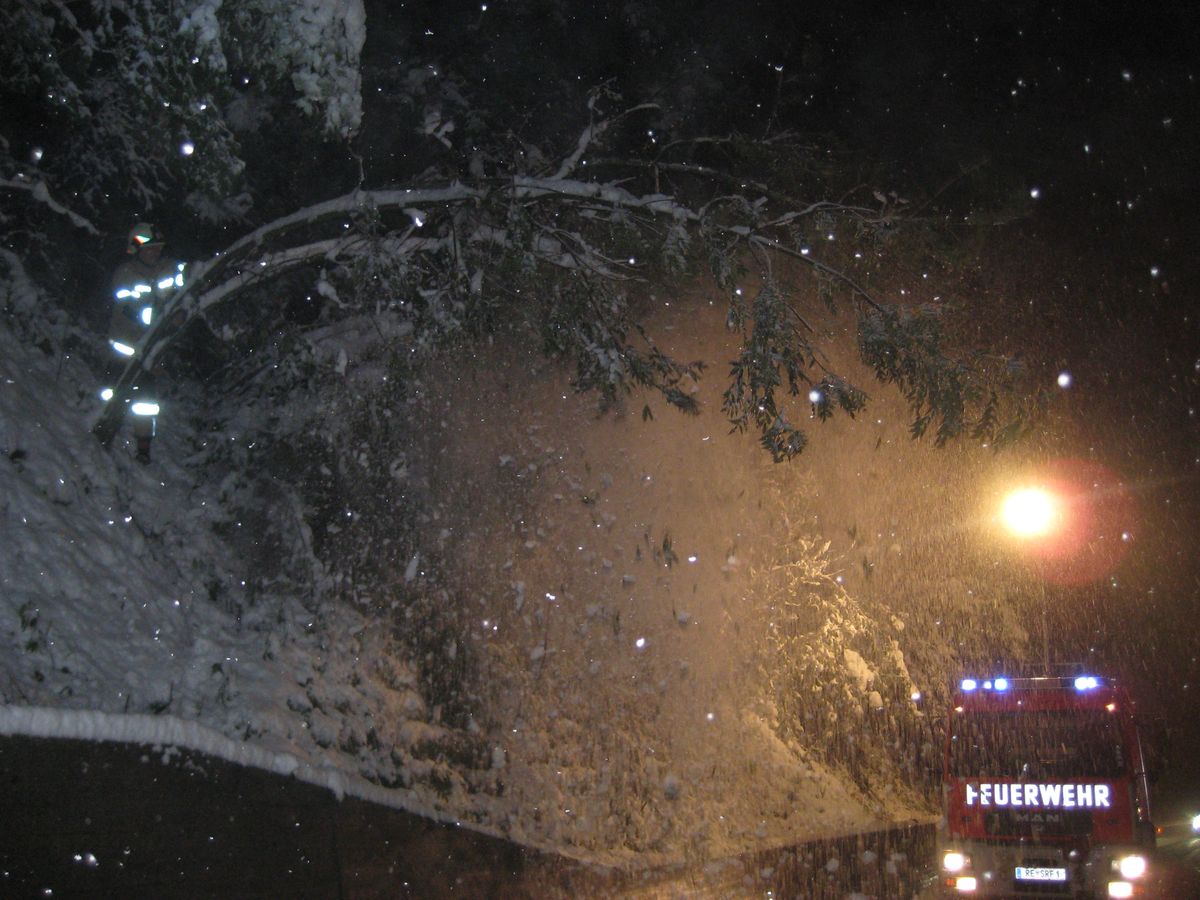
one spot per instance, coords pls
(36, 188)
(349, 205)
(443, 253)
(590, 135)
(609, 193)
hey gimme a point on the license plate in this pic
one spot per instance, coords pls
(1040, 873)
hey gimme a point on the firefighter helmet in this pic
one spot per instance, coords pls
(141, 234)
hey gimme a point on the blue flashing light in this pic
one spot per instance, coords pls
(1086, 683)
(1000, 684)
(968, 684)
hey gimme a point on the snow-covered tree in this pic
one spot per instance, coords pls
(557, 228)
(135, 104)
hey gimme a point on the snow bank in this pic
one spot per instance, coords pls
(170, 731)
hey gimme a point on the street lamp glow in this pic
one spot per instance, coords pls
(1029, 512)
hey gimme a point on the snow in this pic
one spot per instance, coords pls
(616, 724)
(327, 81)
(108, 615)
(38, 189)
(862, 673)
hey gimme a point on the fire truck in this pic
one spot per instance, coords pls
(1044, 790)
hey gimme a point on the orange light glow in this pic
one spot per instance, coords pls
(1030, 512)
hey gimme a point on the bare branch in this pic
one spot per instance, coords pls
(761, 240)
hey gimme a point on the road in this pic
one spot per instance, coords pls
(97, 820)
(1174, 866)
(103, 820)
(1179, 850)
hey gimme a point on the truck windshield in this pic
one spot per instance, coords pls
(1036, 745)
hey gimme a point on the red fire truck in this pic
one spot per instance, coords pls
(1044, 790)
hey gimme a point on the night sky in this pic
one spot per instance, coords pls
(1093, 106)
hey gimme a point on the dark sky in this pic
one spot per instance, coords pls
(1093, 105)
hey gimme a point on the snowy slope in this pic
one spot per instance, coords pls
(621, 717)
(116, 597)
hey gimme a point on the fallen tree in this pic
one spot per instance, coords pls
(565, 251)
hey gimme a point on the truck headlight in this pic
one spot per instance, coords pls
(1120, 889)
(1196, 823)
(1132, 867)
(954, 861)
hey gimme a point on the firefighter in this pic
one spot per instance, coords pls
(140, 285)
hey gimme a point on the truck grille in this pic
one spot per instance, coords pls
(1038, 823)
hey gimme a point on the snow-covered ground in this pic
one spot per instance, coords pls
(614, 570)
(120, 616)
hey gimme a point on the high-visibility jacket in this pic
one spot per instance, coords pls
(139, 291)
